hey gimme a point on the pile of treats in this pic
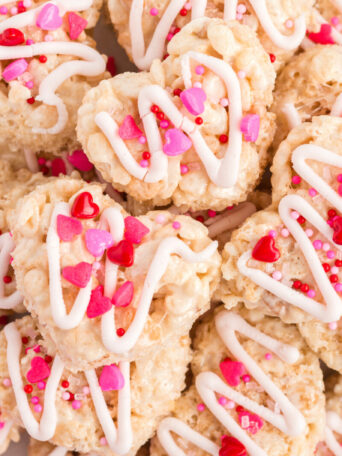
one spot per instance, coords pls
(171, 238)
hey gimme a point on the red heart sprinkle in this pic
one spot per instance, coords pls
(84, 206)
(122, 254)
(337, 227)
(12, 37)
(135, 230)
(232, 447)
(58, 167)
(78, 275)
(98, 304)
(265, 250)
(232, 371)
(123, 295)
(68, 227)
(323, 36)
(39, 371)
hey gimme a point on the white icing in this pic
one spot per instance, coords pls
(93, 63)
(222, 172)
(292, 115)
(4, 432)
(44, 430)
(58, 310)
(332, 310)
(333, 424)
(143, 59)
(290, 421)
(6, 247)
(119, 439)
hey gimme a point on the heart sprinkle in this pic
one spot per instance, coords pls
(337, 227)
(323, 36)
(123, 295)
(122, 254)
(98, 304)
(135, 230)
(68, 228)
(14, 69)
(12, 37)
(97, 241)
(250, 126)
(80, 161)
(231, 447)
(39, 371)
(111, 378)
(129, 129)
(49, 18)
(78, 275)
(84, 206)
(193, 99)
(265, 250)
(176, 142)
(232, 371)
(76, 25)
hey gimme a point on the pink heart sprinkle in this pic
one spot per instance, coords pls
(250, 126)
(76, 25)
(232, 371)
(58, 167)
(68, 228)
(135, 230)
(111, 378)
(80, 161)
(39, 371)
(176, 142)
(323, 36)
(129, 129)
(98, 304)
(14, 69)
(193, 99)
(49, 18)
(123, 295)
(97, 241)
(249, 421)
(78, 275)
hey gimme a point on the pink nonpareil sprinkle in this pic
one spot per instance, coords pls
(193, 99)
(230, 405)
(65, 396)
(211, 213)
(164, 124)
(311, 293)
(14, 10)
(332, 325)
(224, 102)
(222, 400)
(338, 287)
(250, 126)
(154, 11)
(312, 192)
(3, 10)
(144, 163)
(296, 180)
(86, 390)
(48, 17)
(7, 382)
(103, 441)
(340, 189)
(331, 254)
(76, 25)
(339, 178)
(268, 356)
(142, 139)
(160, 219)
(294, 215)
(289, 23)
(241, 74)
(317, 244)
(2, 424)
(272, 233)
(334, 270)
(241, 8)
(35, 400)
(199, 69)
(184, 169)
(200, 407)
(309, 232)
(246, 378)
(29, 42)
(14, 69)
(277, 275)
(176, 225)
(285, 232)
(326, 246)
(80, 161)
(38, 408)
(76, 404)
(334, 20)
(29, 84)
(41, 385)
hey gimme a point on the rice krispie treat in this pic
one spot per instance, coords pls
(195, 129)
(48, 62)
(309, 85)
(258, 390)
(104, 285)
(111, 410)
(325, 23)
(280, 25)
(286, 260)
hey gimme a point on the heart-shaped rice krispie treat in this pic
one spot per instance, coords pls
(112, 410)
(104, 285)
(195, 129)
(286, 260)
(48, 63)
(257, 390)
(279, 25)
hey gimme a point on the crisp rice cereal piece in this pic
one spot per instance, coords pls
(154, 388)
(21, 112)
(301, 382)
(307, 86)
(181, 294)
(297, 295)
(282, 14)
(187, 185)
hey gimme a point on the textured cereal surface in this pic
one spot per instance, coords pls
(280, 11)
(238, 46)
(311, 83)
(156, 382)
(301, 382)
(182, 294)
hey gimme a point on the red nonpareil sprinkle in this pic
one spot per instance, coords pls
(331, 213)
(304, 287)
(333, 278)
(326, 267)
(72, 397)
(48, 358)
(154, 108)
(177, 30)
(120, 332)
(165, 56)
(297, 284)
(25, 340)
(223, 139)
(160, 116)
(65, 384)
(199, 120)
(338, 263)
(7, 279)
(183, 12)
(42, 59)
(272, 58)
(177, 92)
(146, 155)
(301, 220)
(200, 218)
(28, 389)
(31, 100)
(21, 9)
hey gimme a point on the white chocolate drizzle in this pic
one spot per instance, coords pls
(333, 424)
(112, 218)
(119, 439)
(222, 172)
(44, 430)
(143, 58)
(332, 309)
(6, 247)
(290, 421)
(92, 64)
